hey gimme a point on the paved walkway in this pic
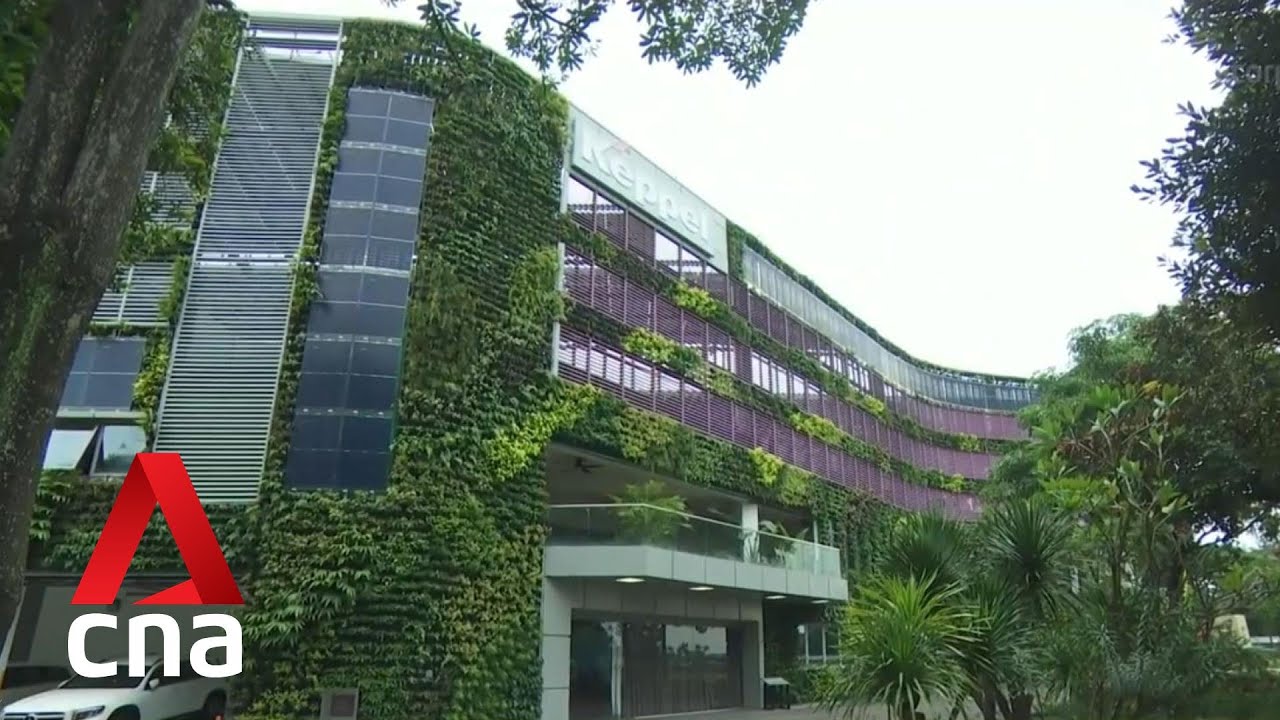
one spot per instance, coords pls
(799, 712)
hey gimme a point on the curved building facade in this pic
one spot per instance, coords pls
(468, 384)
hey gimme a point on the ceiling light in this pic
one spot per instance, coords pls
(701, 588)
(630, 580)
(819, 602)
(774, 597)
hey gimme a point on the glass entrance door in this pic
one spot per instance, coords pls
(680, 668)
(595, 670)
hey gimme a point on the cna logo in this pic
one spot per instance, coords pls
(159, 478)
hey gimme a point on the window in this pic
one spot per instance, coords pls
(68, 450)
(103, 450)
(819, 641)
(116, 446)
(103, 372)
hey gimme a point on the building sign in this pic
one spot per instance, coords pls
(606, 159)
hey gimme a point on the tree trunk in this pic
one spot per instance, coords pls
(1020, 706)
(68, 179)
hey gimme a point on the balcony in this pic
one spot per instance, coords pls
(649, 542)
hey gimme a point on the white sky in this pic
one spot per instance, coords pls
(955, 173)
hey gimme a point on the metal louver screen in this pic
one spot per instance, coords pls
(634, 305)
(618, 225)
(141, 290)
(585, 360)
(174, 202)
(220, 394)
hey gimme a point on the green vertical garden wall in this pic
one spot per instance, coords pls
(425, 597)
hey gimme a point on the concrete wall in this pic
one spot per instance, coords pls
(651, 601)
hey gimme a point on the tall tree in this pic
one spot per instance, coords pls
(1224, 458)
(90, 111)
(83, 89)
(1223, 174)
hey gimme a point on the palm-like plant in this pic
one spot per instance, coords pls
(954, 613)
(928, 545)
(902, 642)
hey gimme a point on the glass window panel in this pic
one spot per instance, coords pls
(404, 165)
(338, 286)
(380, 320)
(408, 134)
(411, 107)
(363, 470)
(370, 392)
(352, 188)
(67, 449)
(385, 289)
(367, 102)
(375, 359)
(312, 468)
(390, 254)
(331, 317)
(118, 445)
(358, 160)
(395, 225)
(347, 221)
(84, 356)
(343, 250)
(321, 390)
(394, 191)
(118, 355)
(366, 434)
(315, 432)
(365, 129)
(114, 392)
(73, 390)
(326, 356)
(813, 639)
(580, 195)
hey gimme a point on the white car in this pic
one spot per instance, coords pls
(153, 696)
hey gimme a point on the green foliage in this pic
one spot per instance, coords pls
(1139, 640)
(188, 143)
(1000, 583)
(650, 345)
(150, 381)
(1221, 174)
(71, 511)
(748, 37)
(1222, 453)
(652, 514)
(700, 302)
(902, 642)
(440, 576)
(688, 362)
(23, 25)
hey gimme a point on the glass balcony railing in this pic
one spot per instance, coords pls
(635, 524)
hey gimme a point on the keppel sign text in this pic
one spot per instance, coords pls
(627, 173)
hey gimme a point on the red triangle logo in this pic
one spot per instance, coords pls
(158, 478)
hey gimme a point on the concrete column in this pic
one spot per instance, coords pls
(750, 526)
(557, 613)
(753, 665)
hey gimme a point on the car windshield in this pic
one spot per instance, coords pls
(119, 681)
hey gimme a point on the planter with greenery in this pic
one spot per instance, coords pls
(649, 514)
